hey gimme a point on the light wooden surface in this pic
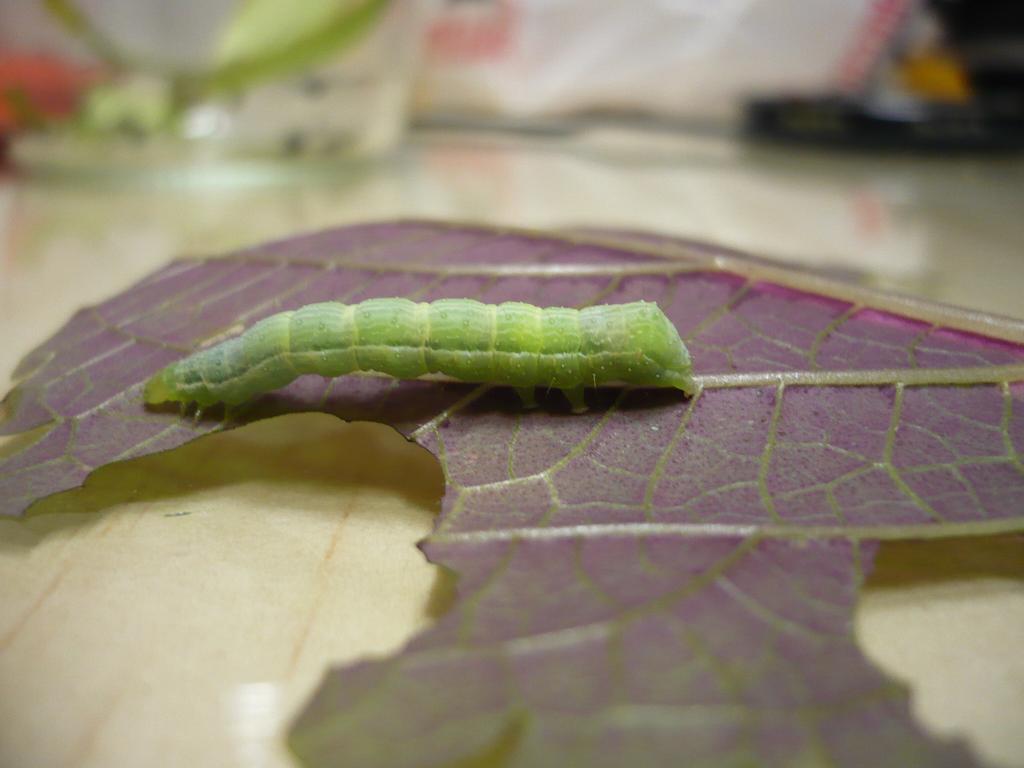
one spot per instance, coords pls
(179, 609)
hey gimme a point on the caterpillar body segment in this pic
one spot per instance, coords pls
(513, 344)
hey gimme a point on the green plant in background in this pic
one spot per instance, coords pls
(264, 40)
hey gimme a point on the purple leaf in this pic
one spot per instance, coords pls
(618, 648)
(659, 581)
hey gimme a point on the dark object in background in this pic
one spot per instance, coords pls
(983, 38)
(988, 35)
(837, 122)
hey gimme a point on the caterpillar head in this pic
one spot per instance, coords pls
(172, 384)
(157, 390)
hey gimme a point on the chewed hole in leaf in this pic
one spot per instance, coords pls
(245, 561)
(925, 609)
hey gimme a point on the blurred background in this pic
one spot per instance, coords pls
(875, 140)
(338, 76)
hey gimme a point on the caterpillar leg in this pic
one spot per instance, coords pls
(576, 400)
(528, 396)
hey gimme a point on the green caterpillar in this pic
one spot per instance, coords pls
(512, 343)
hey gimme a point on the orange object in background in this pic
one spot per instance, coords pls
(37, 88)
(935, 76)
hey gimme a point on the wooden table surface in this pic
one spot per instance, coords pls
(180, 608)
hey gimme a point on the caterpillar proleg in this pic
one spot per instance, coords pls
(514, 344)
